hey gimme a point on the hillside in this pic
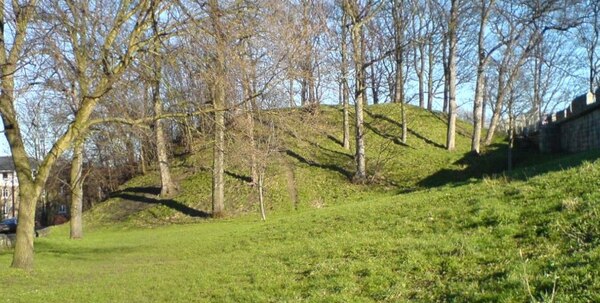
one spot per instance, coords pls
(306, 167)
(532, 237)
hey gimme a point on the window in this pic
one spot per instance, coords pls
(5, 176)
(62, 209)
(5, 193)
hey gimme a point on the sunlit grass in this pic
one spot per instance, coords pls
(482, 241)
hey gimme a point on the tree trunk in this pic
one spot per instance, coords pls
(303, 92)
(430, 75)
(452, 43)
(480, 81)
(356, 35)
(187, 134)
(292, 102)
(361, 171)
(23, 255)
(511, 135)
(477, 112)
(218, 182)
(399, 58)
(419, 64)
(537, 83)
(29, 193)
(495, 117)
(248, 93)
(446, 74)
(592, 61)
(143, 168)
(167, 187)
(344, 79)
(261, 198)
(312, 90)
(374, 86)
(76, 210)
(218, 98)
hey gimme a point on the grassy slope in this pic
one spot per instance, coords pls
(454, 239)
(310, 168)
(476, 242)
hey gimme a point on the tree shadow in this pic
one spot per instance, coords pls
(84, 253)
(428, 141)
(376, 116)
(335, 140)
(150, 190)
(443, 117)
(398, 124)
(141, 197)
(330, 167)
(527, 163)
(535, 163)
(471, 165)
(329, 150)
(384, 135)
(240, 177)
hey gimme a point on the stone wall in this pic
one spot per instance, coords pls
(573, 129)
(581, 134)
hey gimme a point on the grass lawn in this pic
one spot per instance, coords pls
(431, 227)
(486, 241)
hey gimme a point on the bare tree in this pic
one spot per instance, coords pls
(77, 179)
(168, 187)
(523, 29)
(483, 57)
(218, 100)
(345, 93)
(125, 28)
(452, 56)
(589, 36)
(358, 17)
(399, 41)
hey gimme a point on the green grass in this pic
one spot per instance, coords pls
(482, 241)
(308, 168)
(432, 226)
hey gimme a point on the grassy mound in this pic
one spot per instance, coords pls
(306, 166)
(532, 238)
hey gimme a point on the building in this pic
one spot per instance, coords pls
(9, 188)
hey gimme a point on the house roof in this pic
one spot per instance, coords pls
(6, 163)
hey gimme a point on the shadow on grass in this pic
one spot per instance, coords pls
(329, 150)
(384, 135)
(443, 117)
(471, 165)
(399, 125)
(240, 177)
(330, 167)
(527, 163)
(335, 140)
(375, 116)
(428, 141)
(140, 194)
(83, 253)
(536, 163)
